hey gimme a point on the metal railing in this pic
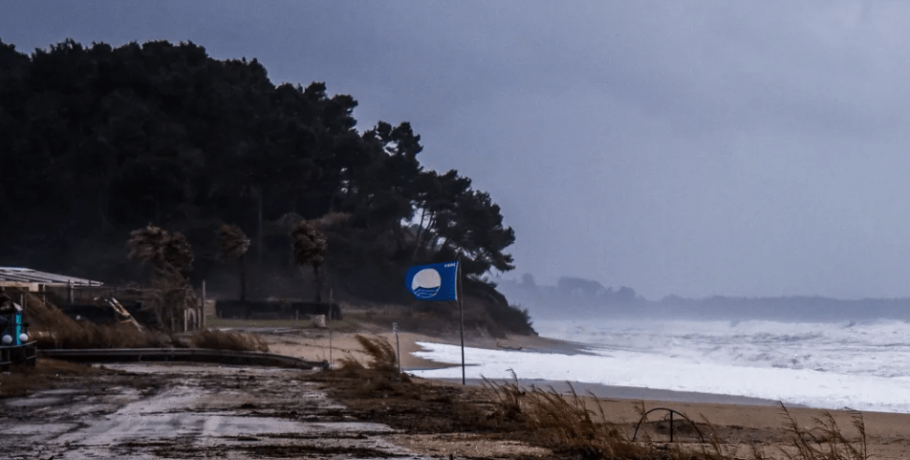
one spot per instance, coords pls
(671, 411)
(253, 358)
(5, 360)
(19, 355)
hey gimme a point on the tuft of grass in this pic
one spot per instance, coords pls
(507, 397)
(382, 355)
(714, 448)
(52, 328)
(825, 441)
(228, 340)
(564, 422)
(350, 363)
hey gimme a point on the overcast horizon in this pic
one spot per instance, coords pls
(698, 148)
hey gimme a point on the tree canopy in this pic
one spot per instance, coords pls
(96, 141)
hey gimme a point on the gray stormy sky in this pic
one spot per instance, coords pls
(696, 148)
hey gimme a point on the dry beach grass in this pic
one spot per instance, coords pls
(566, 423)
(228, 340)
(52, 328)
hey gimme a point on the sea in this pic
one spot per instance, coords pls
(831, 365)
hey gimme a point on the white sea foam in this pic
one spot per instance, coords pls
(824, 365)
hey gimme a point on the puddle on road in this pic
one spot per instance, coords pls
(44, 401)
(61, 391)
(152, 427)
(38, 429)
(198, 369)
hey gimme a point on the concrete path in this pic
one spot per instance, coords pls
(188, 411)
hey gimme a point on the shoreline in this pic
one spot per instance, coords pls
(310, 343)
(679, 380)
(611, 392)
(602, 391)
(313, 344)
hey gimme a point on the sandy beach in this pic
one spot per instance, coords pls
(739, 421)
(322, 344)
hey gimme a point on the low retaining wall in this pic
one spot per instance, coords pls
(205, 355)
(262, 309)
(20, 355)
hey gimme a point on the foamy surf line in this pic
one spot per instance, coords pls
(806, 387)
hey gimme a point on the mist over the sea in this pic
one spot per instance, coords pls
(578, 298)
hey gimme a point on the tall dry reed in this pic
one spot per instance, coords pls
(52, 328)
(565, 423)
(825, 441)
(382, 355)
(228, 340)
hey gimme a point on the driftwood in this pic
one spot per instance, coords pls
(508, 348)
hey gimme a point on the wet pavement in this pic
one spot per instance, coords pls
(189, 411)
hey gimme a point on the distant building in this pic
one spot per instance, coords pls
(35, 281)
(79, 297)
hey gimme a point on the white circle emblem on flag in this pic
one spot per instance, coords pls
(426, 283)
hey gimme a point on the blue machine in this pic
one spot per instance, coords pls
(11, 327)
(15, 347)
(18, 321)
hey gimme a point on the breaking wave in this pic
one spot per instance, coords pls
(825, 365)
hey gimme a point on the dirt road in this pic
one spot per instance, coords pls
(188, 411)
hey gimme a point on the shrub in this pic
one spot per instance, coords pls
(228, 340)
(382, 355)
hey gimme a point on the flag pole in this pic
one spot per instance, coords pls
(461, 308)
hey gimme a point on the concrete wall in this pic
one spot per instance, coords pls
(264, 309)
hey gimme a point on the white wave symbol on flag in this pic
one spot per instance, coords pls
(426, 283)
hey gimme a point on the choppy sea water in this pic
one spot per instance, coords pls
(863, 366)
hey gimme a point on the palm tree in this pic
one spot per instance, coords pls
(171, 258)
(309, 246)
(234, 244)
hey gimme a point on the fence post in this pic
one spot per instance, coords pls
(203, 304)
(397, 345)
(671, 426)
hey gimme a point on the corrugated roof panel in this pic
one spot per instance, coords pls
(27, 275)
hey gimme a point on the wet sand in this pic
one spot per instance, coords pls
(631, 393)
(321, 344)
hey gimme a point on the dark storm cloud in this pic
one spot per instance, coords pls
(698, 148)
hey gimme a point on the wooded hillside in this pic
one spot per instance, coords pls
(98, 141)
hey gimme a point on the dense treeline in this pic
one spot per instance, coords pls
(98, 141)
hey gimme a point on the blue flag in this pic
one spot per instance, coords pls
(434, 281)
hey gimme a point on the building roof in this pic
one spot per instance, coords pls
(28, 276)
